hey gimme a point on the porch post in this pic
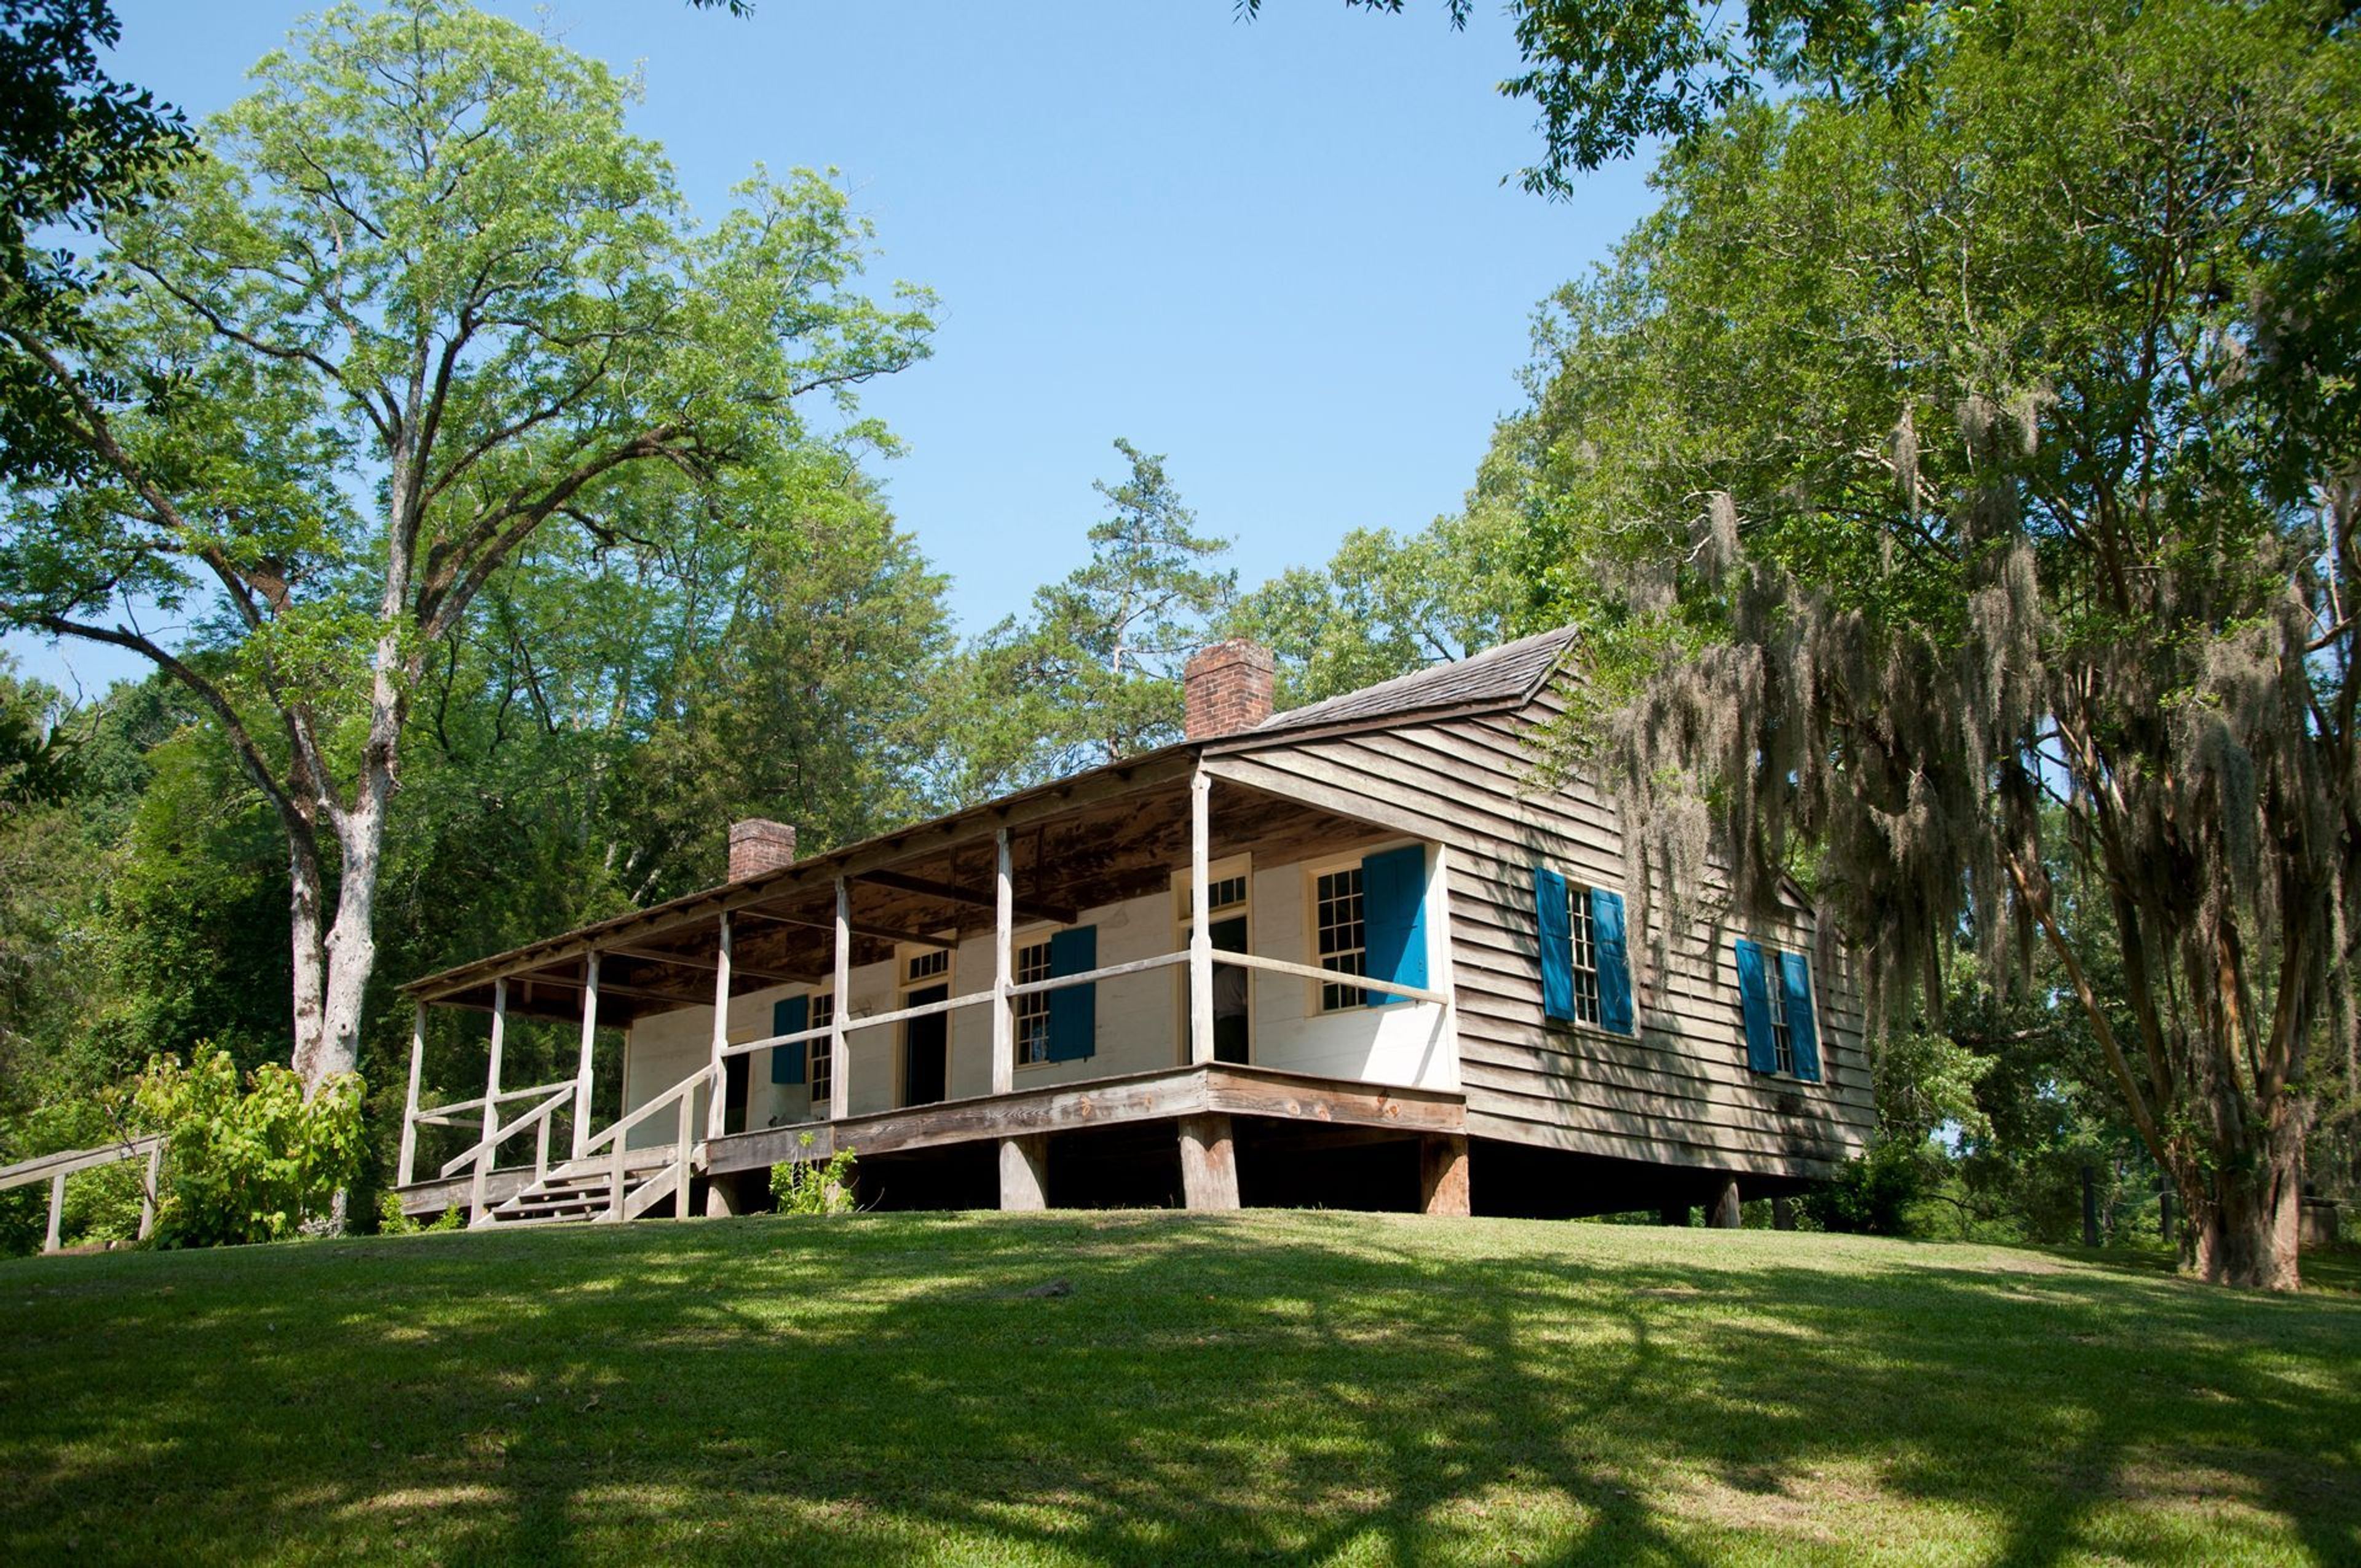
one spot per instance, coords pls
(493, 1068)
(1209, 1167)
(589, 1047)
(1004, 1022)
(486, 1157)
(714, 1108)
(1200, 932)
(410, 1106)
(839, 1062)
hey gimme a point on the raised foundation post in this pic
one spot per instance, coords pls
(1209, 1166)
(1783, 1213)
(1024, 1173)
(1723, 1212)
(1443, 1173)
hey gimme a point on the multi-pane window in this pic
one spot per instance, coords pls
(929, 965)
(1344, 938)
(1226, 893)
(1033, 1007)
(1584, 960)
(819, 1059)
(1782, 1038)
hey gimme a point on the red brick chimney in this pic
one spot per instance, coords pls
(759, 845)
(1226, 688)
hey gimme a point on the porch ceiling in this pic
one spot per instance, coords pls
(1121, 844)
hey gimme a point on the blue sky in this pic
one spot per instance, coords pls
(1279, 252)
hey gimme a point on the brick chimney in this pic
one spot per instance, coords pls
(1226, 688)
(759, 845)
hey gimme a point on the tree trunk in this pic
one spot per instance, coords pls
(2243, 1231)
(306, 898)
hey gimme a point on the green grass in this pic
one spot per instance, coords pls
(1292, 1387)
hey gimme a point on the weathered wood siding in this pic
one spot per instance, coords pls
(1677, 1093)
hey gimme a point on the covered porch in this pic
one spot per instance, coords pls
(1146, 947)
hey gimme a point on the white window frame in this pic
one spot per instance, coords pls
(1313, 871)
(819, 1061)
(1582, 960)
(1774, 995)
(1034, 1007)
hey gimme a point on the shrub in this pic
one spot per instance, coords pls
(808, 1187)
(392, 1222)
(1871, 1193)
(249, 1161)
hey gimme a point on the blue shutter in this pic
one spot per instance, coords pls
(1796, 977)
(1754, 1006)
(1614, 962)
(1074, 1010)
(1393, 915)
(789, 1015)
(1556, 943)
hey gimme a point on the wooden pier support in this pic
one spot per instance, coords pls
(1024, 1173)
(1443, 1173)
(1723, 1212)
(1209, 1166)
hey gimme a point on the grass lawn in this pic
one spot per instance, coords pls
(1292, 1388)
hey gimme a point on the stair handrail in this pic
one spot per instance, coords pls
(683, 1097)
(689, 1085)
(491, 1142)
(485, 1152)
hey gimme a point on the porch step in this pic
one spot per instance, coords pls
(583, 1192)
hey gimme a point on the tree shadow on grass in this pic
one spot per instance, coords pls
(1296, 1389)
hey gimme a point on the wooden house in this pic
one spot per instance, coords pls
(1356, 954)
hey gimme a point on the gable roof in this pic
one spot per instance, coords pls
(1512, 673)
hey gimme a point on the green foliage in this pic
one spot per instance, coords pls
(814, 1187)
(1874, 1193)
(1956, 491)
(1094, 674)
(392, 1222)
(249, 1158)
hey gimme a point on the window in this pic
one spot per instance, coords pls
(1226, 893)
(1782, 1039)
(822, 1059)
(1774, 1002)
(1585, 950)
(929, 965)
(1343, 935)
(1033, 1007)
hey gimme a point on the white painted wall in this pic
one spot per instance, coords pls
(1140, 1022)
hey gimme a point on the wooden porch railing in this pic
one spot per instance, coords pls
(54, 1168)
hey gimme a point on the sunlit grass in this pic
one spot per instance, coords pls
(1297, 1388)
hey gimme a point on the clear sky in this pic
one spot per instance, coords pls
(1280, 252)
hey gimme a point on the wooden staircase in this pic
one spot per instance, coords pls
(583, 1190)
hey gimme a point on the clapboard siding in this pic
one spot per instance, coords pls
(1678, 1091)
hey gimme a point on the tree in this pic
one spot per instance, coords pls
(1965, 488)
(1610, 74)
(75, 145)
(422, 295)
(1094, 674)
